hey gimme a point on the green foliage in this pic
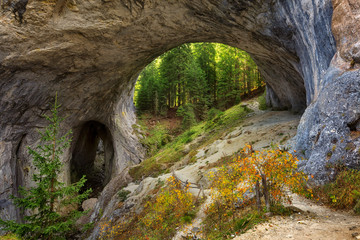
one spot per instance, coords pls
(188, 217)
(356, 195)
(212, 113)
(188, 136)
(344, 192)
(262, 102)
(173, 151)
(123, 194)
(155, 139)
(10, 236)
(203, 74)
(279, 209)
(215, 229)
(247, 222)
(147, 94)
(188, 115)
(49, 196)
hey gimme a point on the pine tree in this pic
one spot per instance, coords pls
(42, 203)
(206, 58)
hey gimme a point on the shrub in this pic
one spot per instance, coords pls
(156, 139)
(123, 194)
(233, 185)
(344, 192)
(262, 101)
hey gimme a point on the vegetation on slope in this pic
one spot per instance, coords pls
(233, 209)
(172, 152)
(343, 192)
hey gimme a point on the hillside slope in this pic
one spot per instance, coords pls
(263, 129)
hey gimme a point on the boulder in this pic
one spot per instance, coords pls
(89, 204)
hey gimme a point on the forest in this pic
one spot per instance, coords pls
(197, 77)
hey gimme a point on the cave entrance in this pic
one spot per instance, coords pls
(93, 156)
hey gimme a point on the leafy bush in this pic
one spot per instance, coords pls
(262, 101)
(156, 138)
(280, 209)
(344, 192)
(233, 183)
(123, 194)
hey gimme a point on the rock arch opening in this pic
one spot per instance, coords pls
(93, 156)
(203, 74)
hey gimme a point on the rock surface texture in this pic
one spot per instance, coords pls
(329, 132)
(90, 53)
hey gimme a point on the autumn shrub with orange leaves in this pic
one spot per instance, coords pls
(160, 217)
(275, 170)
(252, 174)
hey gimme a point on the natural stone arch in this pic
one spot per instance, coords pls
(91, 53)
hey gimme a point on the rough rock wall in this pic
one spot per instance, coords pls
(90, 52)
(329, 132)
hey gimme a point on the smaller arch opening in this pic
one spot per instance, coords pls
(93, 156)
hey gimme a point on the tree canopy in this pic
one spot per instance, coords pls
(205, 75)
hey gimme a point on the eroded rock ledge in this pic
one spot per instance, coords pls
(90, 53)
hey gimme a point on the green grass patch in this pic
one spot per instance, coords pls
(153, 138)
(172, 152)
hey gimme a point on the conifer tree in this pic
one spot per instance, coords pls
(42, 204)
(205, 75)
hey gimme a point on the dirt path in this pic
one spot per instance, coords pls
(315, 222)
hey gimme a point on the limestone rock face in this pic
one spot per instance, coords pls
(90, 53)
(329, 132)
(346, 28)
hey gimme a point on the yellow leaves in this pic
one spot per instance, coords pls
(173, 200)
(276, 167)
(161, 215)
